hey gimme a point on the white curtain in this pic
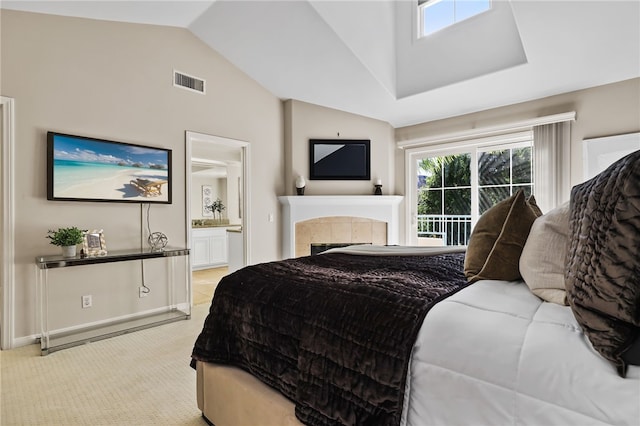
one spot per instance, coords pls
(551, 164)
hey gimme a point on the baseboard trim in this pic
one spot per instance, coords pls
(25, 341)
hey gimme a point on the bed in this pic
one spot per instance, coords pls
(518, 328)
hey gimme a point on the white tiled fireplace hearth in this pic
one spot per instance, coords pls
(295, 209)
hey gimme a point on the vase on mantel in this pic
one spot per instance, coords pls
(68, 251)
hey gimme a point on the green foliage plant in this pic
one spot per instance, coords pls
(66, 236)
(217, 207)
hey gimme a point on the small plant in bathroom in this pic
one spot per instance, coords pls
(218, 207)
(67, 238)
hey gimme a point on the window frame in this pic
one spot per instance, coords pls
(472, 147)
(421, 7)
(511, 184)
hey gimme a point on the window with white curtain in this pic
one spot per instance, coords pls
(450, 184)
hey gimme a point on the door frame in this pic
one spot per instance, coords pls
(7, 189)
(245, 148)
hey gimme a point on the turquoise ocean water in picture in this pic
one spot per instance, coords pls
(85, 168)
(70, 173)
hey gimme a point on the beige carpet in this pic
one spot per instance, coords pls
(141, 378)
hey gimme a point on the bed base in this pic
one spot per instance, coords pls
(229, 396)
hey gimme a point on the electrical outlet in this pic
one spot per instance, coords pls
(143, 292)
(87, 301)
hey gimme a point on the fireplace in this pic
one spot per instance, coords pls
(338, 231)
(341, 219)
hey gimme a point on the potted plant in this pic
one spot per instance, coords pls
(67, 238)
(217, 206)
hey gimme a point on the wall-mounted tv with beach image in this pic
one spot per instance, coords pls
(87, 169)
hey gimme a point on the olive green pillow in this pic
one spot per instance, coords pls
(496, 242)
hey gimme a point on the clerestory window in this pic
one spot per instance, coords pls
(438, 14)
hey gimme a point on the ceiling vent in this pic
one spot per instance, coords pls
(188, 82)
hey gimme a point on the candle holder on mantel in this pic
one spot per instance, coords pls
(300, 184)
(378, 186)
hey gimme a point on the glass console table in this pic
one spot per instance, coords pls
(51, 342)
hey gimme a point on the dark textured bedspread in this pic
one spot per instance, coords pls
(334, 332)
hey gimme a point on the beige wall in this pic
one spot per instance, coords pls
(600, 111)
(304, 121)
(113, 81)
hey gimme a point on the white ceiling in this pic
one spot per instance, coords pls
(361, 56)
(213, 159)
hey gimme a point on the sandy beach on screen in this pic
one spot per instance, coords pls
(118, 187)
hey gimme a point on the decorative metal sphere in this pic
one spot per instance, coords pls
(158, 241)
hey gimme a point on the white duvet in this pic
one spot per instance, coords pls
(495, 354)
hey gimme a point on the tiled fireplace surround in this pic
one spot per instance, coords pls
(337, 219)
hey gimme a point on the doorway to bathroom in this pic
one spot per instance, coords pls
(217, 203)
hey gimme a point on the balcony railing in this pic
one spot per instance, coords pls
(453, 230)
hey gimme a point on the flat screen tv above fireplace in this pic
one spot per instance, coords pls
(88, 169)
(339, 159)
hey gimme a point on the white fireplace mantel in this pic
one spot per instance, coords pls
(295, 209)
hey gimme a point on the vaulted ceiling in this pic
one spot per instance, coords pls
(362, 56)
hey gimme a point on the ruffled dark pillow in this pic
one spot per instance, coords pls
(496, 242)
(602, 275)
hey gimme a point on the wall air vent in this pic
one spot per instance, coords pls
(188, 82)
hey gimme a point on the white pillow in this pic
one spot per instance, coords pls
(543, 256)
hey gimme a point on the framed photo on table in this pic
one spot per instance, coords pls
(93, 243)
